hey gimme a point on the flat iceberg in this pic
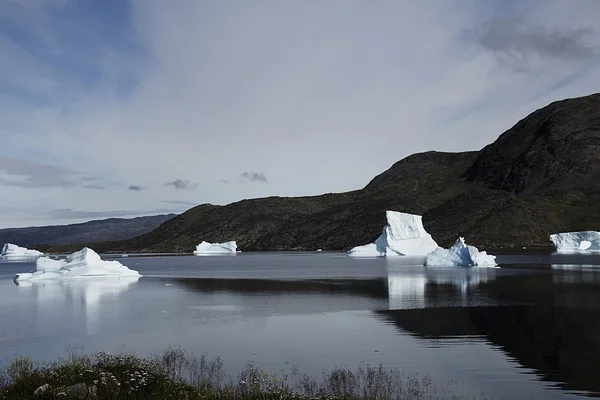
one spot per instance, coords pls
(85, 263)
(459, 255)
(577, 242)
(12, 252)
(404, 235)
(206, 248)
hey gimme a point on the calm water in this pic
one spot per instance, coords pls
(528, 330)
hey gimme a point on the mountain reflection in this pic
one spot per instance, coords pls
(559, 343)
(83, 296)
(403, 288)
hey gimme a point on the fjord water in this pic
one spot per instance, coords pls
(530, 329)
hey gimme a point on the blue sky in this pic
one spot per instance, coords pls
(124, 108)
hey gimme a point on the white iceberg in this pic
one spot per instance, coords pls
(12, 252)
(576, 242)
(206, 248)
(459, 255)
(404, 235)
(85, 263)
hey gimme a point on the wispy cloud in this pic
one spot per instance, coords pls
(516, 41)
(135, 188)
(182, 184)
(29, 174)
(68, 213)
(253, 177)
(96, 187)
(180, 202)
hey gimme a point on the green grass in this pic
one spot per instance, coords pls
(175, 374)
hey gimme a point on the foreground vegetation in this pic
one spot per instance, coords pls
(177, 375)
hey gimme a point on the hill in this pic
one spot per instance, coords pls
(92, 231)
(539, 177)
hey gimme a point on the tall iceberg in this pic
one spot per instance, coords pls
(85, 263)
(576, 242)
(12, 252)
(404, 235)
(206, 248)
(459, 255)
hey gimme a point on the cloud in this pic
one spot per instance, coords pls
(67, 213)
(515, 42)
(29, 174)
(182, 184)
(180, 202)
(135, 188)
(93, 187)
(253, 177)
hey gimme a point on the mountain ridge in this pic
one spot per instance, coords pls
(95, 230)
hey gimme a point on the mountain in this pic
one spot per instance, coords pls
(539, 177)
(92, 231)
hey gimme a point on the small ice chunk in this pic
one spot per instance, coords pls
(459, 255)
(575, 242)
(206, 248)
(12, 252)
(85, 263)
(404, 235)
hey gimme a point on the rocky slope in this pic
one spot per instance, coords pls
(539, 177)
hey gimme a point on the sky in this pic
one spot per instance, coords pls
(120, 108)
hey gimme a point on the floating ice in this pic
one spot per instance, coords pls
(206, 248)
(85, 263)
(576, 242)
(459, 255)
(404, 235)
(12, 252)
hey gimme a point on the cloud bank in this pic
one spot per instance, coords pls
(317, 96)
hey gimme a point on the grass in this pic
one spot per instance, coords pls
(175, 374)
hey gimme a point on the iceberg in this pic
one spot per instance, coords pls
(459, 255)
(404, 235)
(85, 263)
(206, 248)
(576, 242)
(12, 252)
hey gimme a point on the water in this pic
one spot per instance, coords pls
(530, 329)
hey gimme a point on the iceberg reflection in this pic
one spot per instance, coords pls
(576, 273)
(412, 289)
(83, 296)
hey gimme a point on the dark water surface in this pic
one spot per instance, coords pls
(530, 329)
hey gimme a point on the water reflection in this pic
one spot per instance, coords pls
(406, 291)
(576, 274)
(434, 287)
(83, 296)
(540, 337)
